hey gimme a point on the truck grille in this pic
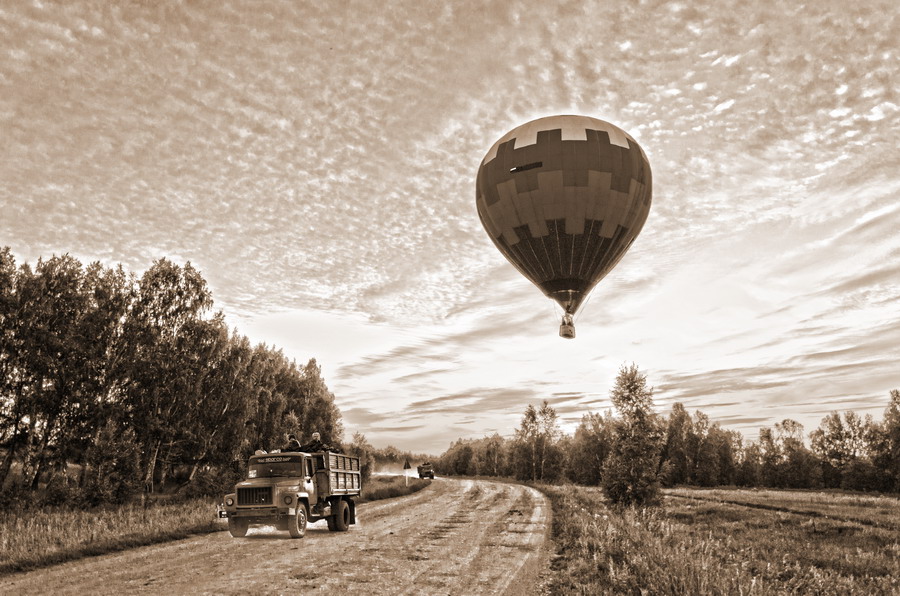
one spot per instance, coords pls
(256, 495)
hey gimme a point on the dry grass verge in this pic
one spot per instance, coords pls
(388, 487)
(39, 538)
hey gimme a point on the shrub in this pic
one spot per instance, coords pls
(15, 498)
(213, 482)
(59, 492)
(113, 467)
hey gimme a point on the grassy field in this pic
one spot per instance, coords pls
(868, 510)
(387, 487)
(33, 539)
(727, 542)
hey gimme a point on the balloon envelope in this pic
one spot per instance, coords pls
(563, 198)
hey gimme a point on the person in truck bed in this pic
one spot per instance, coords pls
(293, 444)
(316, 444)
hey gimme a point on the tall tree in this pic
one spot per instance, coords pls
(162, 332)
(705, 471)
(12, 401)
(458, 459)
(679, 447)
(729, 443)
(361, 448)
(64, 331)
(838, 442)
(536, 453)
(799, 467)
(769, 458)
(884, 442)
(631, 472)
(489, 456)
(749, 466)
(549, 434)
(214, 365)
(526, 442)
(589, 448)
(95, 346)
(319, 413)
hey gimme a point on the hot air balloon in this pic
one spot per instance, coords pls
(563, 198)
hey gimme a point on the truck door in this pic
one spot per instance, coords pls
(308, 485)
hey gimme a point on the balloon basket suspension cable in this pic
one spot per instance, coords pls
(555, 309)
(583, 307)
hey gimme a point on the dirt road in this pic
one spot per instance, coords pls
(454, 537)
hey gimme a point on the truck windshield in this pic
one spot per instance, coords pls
(276, 465)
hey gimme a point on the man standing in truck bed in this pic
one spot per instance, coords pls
(316, 444)
(293, 444)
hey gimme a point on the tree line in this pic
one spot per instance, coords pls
(135, 382)
(637, 450)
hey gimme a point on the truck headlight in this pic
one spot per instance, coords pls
(288, 499)
(229, 501)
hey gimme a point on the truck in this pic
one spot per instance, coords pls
(426, 470)
(290, 489)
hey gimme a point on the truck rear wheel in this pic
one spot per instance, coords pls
(297, 524)
(341, 517)
(238, 527)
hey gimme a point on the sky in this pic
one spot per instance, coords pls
(316, 162)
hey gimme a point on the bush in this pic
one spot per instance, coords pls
(629, 474)
(113, 467)
(861, 474)
(60, 493)
(211, 483)
(15, 498)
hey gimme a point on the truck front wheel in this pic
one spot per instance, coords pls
(238, 527)
(297, 524)
(341, 517)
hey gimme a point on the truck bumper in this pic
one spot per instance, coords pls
(259, 514)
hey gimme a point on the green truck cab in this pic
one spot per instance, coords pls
(290, 489)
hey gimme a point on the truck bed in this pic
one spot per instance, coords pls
(343, 474)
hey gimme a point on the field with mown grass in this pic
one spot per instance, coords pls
(37, 538)
(727, 542)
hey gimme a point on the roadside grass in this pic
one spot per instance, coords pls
(381, 487)
(38, 538)
(717, 547)
(34, 538)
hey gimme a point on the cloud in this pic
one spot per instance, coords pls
(481, 401)
(317, 163)
(364, 416)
